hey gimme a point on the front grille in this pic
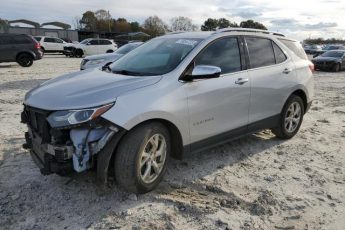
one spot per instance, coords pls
(37, 120)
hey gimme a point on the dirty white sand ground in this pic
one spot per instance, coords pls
(257, 182)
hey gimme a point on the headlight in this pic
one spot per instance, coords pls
(96, 62)
(73, 117)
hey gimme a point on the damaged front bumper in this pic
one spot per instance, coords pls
(68, 149)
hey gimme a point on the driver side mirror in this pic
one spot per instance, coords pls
(203, 72)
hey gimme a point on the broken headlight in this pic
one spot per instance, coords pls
(73, 117)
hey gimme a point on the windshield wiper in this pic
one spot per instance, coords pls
(126, 72)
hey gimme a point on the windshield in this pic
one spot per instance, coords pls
(333, 54)
(126, 48)
(156, 57)
(85, 41)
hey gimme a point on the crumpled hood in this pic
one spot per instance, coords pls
(109, 56)
(84, 89)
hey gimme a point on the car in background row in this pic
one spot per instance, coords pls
(51, 44)
(90, 46)
(20, 48)
(329, 48)
(312, 49)
(103, 59)
(331, 60)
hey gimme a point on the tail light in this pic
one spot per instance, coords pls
(37, 46)
(311, 67)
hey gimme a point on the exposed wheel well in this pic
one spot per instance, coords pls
(24, 53)
(302, 95)
(110, 51)
(176, 138)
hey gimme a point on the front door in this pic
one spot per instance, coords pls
(219, 107)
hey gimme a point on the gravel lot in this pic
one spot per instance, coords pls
(257, 182)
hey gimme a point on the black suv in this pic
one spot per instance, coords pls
(20, 48)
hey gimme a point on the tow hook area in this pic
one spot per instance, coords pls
(88, 142)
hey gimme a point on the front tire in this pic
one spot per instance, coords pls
(336, 67)
(25, 60)
(291, 118)
(142, 156)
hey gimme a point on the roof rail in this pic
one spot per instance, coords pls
(234, 29)
(176, 32)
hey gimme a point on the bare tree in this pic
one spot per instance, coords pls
(155, 26)
(182, 24)
(76, 23)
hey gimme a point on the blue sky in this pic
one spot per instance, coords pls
(298, 19)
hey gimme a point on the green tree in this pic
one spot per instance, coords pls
(89, 21)
(210, 24)
(225, 23)
(135, 26)
(252, 24)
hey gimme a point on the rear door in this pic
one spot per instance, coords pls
(217, 106)
(59, 44)
(50, 44)
(272, 77)
(91, 47)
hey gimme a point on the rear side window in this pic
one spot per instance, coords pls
(260, 52)
(22, 40)
(105, 42)
(223, 53)
(51, 40)
(295, 47)
(278, 53)
(94, 42)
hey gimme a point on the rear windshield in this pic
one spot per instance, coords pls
(295, 47)
(38, 38)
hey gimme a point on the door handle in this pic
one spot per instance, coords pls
(287, 70)
(241, 81)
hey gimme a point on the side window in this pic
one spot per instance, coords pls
(260, 52)
(94, 42)
(105, 42)
(50, 40)
(278, 53)
(22, 40)
(6, 40)
(57, 40)
(224, 53)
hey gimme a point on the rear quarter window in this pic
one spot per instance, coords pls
(295, 47)
(22, 40)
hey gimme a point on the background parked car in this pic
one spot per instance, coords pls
(20, 48)
(331, 60)
(102, 59)
(328, 48)
(51, 44)
(92, 46)
(312, 49)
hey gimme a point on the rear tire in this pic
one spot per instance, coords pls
(142, 156)
(25, 60)
(78, 53)
(291, 118)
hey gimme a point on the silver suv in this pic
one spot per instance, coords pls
(179, 93)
